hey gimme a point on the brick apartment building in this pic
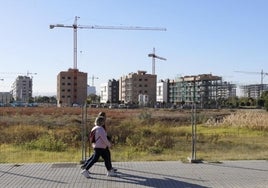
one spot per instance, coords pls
(135, 87)
(71, 88)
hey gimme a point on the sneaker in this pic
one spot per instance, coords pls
(114, 169)
(111, 173)
(85, 173)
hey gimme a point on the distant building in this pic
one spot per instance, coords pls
(206, 90)
(22, 89)
(254, 90)
(71, 88)
(5, 98)
(227, 90)
(104, 93)
(162, 93)
(135, 85)
(91, 90)
(109, 92)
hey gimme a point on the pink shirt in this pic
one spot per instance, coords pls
(101, 138)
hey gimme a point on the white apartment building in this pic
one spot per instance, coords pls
(104, 92)
(162, 92)
(22, 89)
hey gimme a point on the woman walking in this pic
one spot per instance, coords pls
(101, 149)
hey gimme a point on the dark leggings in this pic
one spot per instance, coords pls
(99, 152)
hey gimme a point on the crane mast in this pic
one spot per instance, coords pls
(75, 27)
(92, 79)
(261, 73)
(153, 56)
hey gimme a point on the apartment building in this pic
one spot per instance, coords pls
(162, 93)
(109, 92)
(22, 89)
(71, 88)
(104, 93)
(5, 98)
(135, 87)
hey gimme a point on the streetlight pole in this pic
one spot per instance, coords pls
(193, 122)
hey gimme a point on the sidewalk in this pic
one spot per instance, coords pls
(166, 174)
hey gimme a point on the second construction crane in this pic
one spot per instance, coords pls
(92, 79)
(260, 73)
(153, 56)
(75, 27)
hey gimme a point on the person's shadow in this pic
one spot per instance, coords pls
(156, 182)
(163, 181)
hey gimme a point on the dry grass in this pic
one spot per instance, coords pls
(221, 134)
(253, 119)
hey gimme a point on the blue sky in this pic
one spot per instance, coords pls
(203, 36)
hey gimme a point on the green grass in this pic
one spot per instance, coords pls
(213, 144)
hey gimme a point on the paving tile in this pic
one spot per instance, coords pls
(156, 174)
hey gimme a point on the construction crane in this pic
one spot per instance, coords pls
(20, 73)
(261, 73)
(75, 27)
(153, 56)
(92, 79)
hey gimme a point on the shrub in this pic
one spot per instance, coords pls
(47, 142)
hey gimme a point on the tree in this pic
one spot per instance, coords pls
(92, 98)
(264, 97)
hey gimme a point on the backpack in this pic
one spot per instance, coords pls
(92, 138)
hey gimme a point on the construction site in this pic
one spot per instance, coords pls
(205, 90)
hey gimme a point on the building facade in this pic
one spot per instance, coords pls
(5, 98)
(254, 90)
(71, 88)
(162, 93)
(138, 85)
(104, 93)
(109, 92)
(206, 90)
(22, 89)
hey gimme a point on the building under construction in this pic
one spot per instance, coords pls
(254, 90)
(205, 90)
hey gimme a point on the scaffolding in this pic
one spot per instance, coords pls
(205, 89)
(254, 90)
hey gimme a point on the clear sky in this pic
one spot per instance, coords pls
(203, 36)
